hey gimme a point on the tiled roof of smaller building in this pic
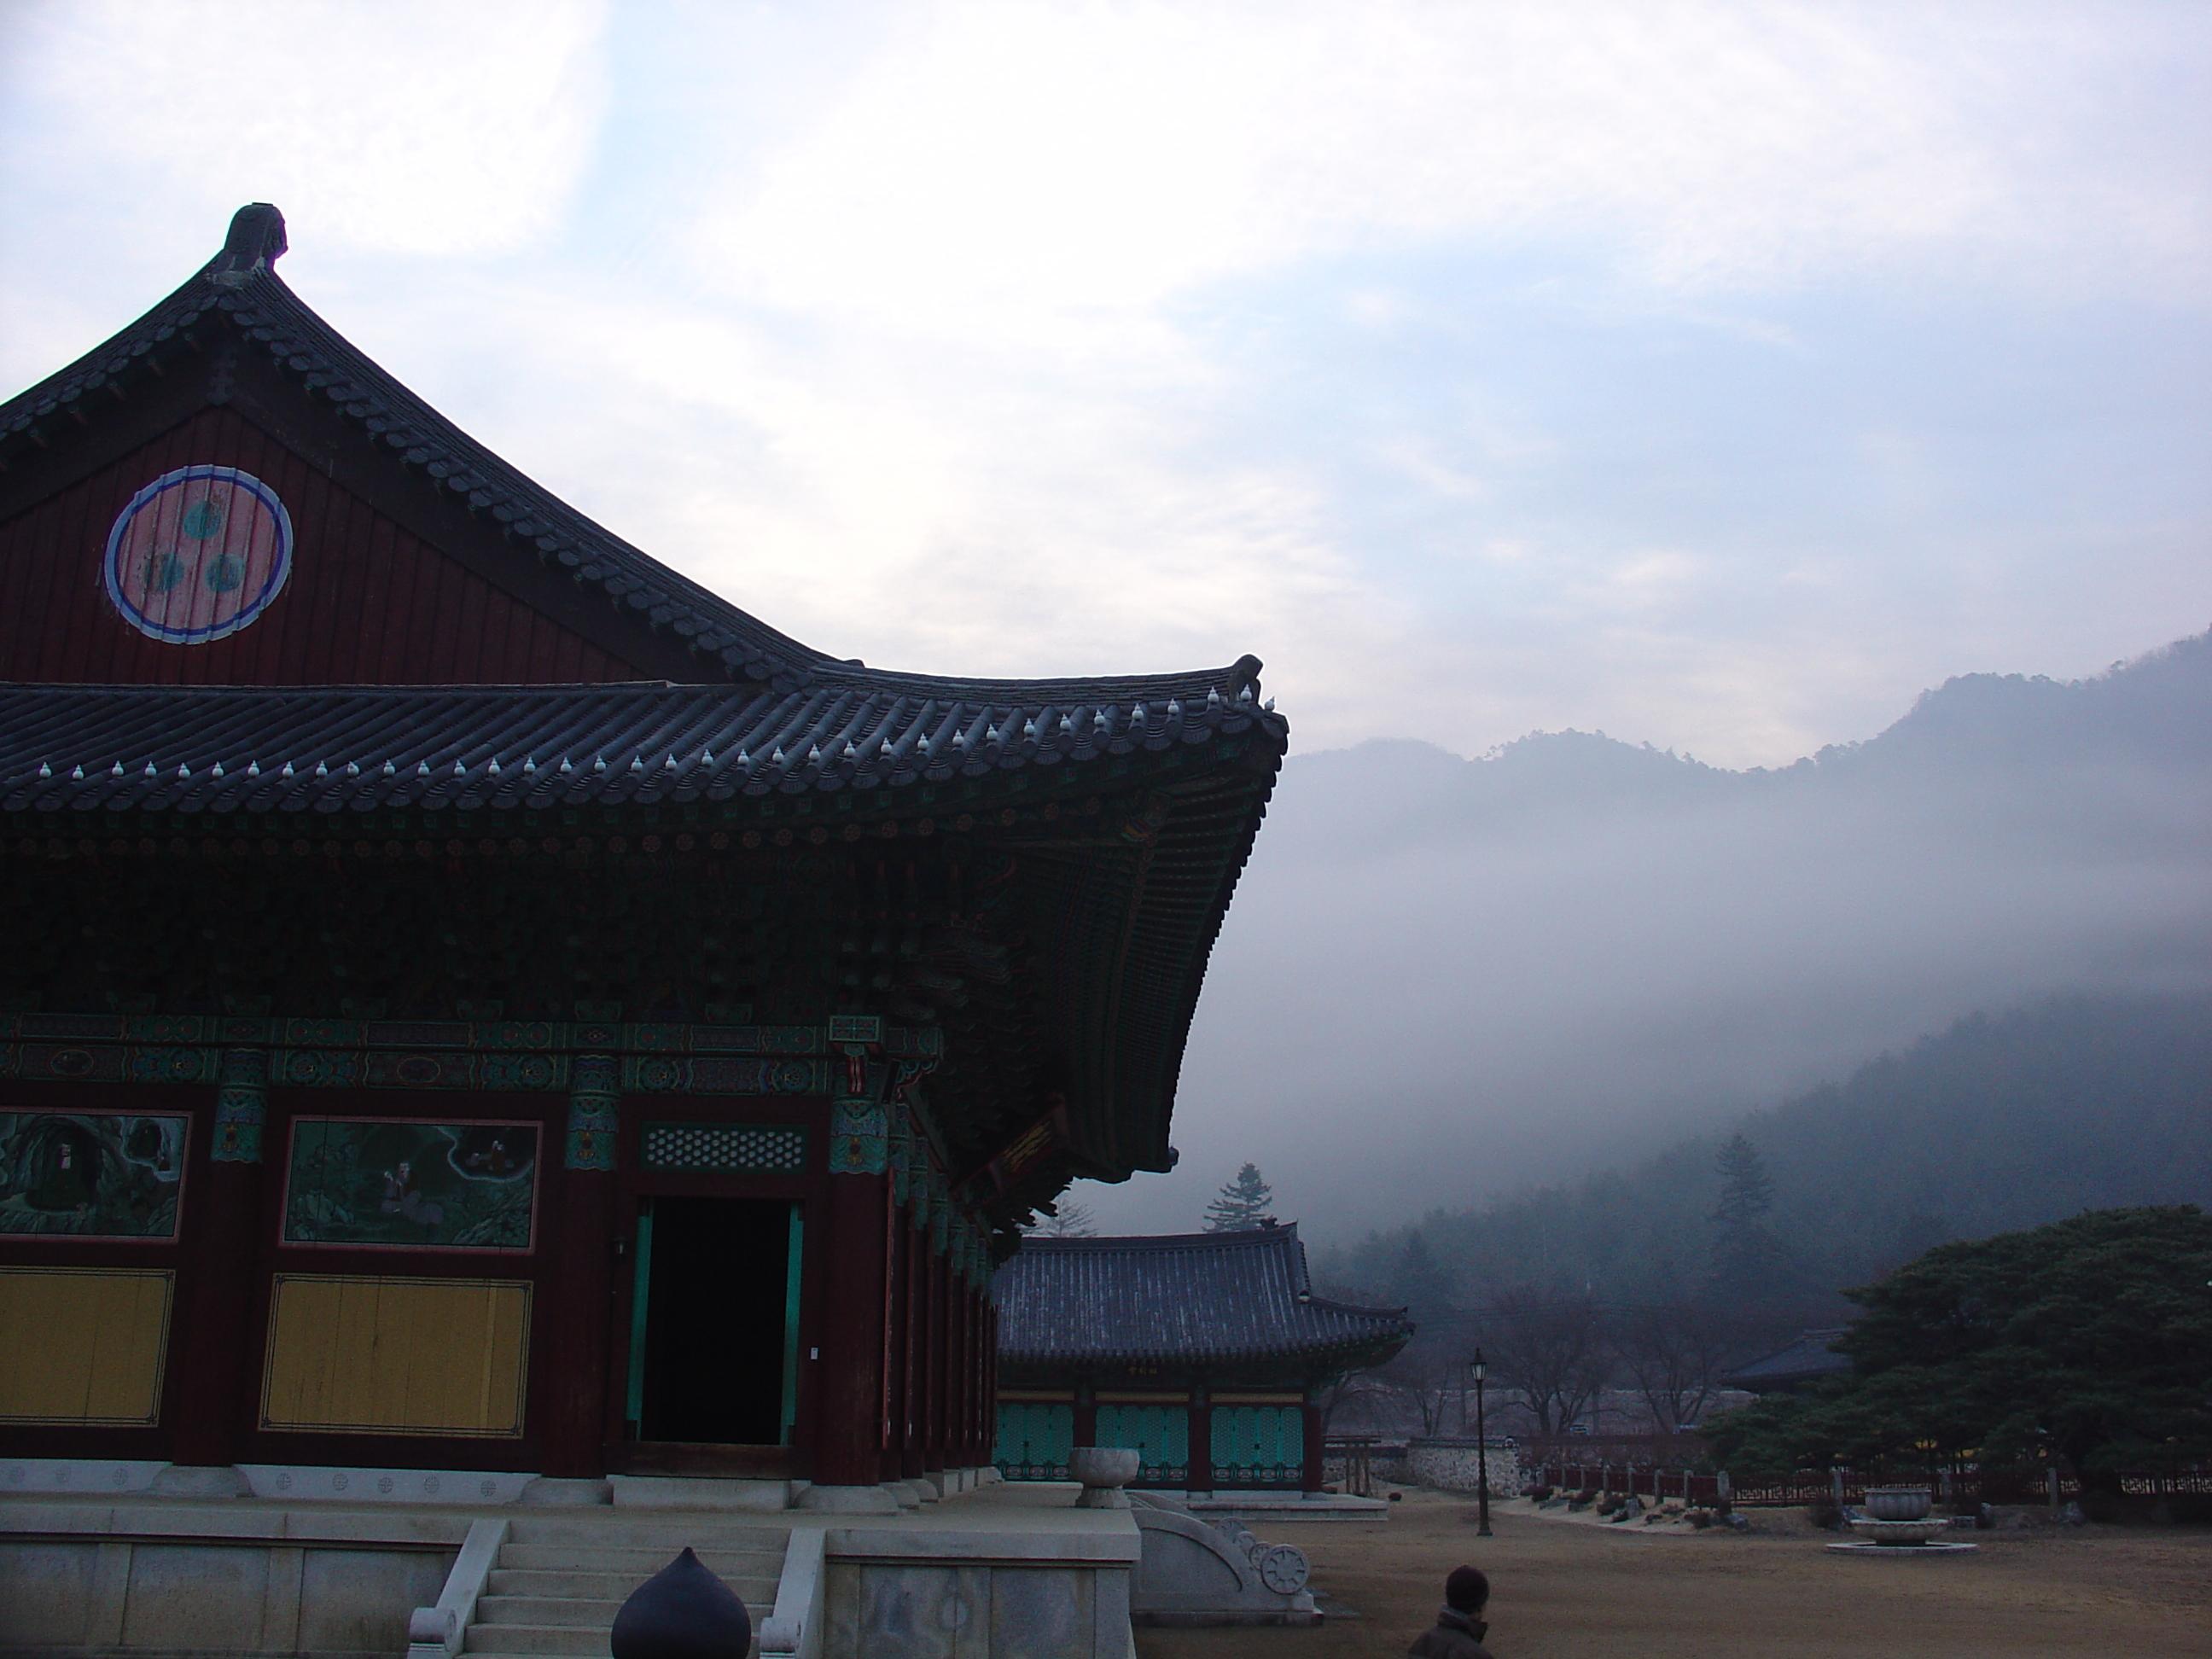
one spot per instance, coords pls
(1201, 1300)
(1809, 1357)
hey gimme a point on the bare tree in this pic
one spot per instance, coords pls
(1421, 1378)
(1675, 1353)
(1550, 1348)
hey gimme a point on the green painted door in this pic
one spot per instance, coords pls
(1259, 1446)
(1160, 1435)
(1035, 1437)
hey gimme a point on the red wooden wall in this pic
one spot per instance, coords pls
(368, 602)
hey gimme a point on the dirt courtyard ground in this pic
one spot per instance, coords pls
(1559, 1588)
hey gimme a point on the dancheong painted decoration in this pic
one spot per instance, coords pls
(198, 554)
(402, 1183)
(91, 1175)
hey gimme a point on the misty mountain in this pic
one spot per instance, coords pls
(1444, 978)
(1999, 1123)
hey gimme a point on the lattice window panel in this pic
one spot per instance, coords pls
(754, 1148)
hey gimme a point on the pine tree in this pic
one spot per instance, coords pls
(1069, 1220)
(1241, 1204)
(1747, 1190)
(1748, 1258)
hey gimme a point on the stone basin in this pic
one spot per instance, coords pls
(1898, 1503)
(1104, 1471)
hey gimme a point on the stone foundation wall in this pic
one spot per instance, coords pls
(110, 1595)
(1027, 1591)
(1449, 1464)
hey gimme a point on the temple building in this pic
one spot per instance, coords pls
(481, 1007)
(1208, 1354)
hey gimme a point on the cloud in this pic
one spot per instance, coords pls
(1030, 339)
(994, 159)
(408, 127)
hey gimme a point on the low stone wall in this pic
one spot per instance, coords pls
(1026, 1592)
(111, 1594)
(1450, 1464)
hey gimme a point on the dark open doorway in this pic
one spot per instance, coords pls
(713, 1327)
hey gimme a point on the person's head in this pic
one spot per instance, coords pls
(1467, 1589)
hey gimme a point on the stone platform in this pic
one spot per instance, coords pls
(987, 1572)
(1262, 1510)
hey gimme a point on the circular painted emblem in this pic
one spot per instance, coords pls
(199, 553)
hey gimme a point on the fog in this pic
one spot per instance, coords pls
(1443, 977)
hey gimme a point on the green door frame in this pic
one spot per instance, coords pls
(641, 1296)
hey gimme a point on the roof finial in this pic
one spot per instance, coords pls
(255, 241)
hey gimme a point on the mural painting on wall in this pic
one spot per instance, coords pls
(91, 1175)
(411, 1183)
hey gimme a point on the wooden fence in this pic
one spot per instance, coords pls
(2037, 1483)
(1647, 1480)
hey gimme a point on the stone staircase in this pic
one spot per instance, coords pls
(559, 1582)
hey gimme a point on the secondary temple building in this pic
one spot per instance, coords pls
(1208, 1354)
(480, 1006)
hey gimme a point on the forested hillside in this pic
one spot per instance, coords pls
(2001, 1123)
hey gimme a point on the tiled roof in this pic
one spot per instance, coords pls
(1120, 917)
(1197, 1299)
(286, 749)
(1809, 1357)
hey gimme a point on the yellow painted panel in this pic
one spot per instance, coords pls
(354, 1355)
(84, 1345)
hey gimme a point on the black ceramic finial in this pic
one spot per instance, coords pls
(683, 1612)
(256, 239)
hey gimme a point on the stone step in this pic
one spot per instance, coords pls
(648, 1531)
(752, 1588)
(538, 1639)
(592, 1614)
(587, 1558)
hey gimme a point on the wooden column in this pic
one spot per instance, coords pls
(854, 1427)
(914, 1242)
(1202, 1441)
(933, 1266)
(1316, 1447)
(1087, 1414)
(982, 1423)
(577, 1398)
(215, 1394)
(959, 1451)
(899, 1385)
(991, 1370)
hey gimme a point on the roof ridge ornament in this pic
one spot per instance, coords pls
(256, 242)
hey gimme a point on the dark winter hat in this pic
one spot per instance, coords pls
(1467, 1589)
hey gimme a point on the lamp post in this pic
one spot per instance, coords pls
(1475, 1368)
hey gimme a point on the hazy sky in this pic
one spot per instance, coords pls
(1715, 375)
